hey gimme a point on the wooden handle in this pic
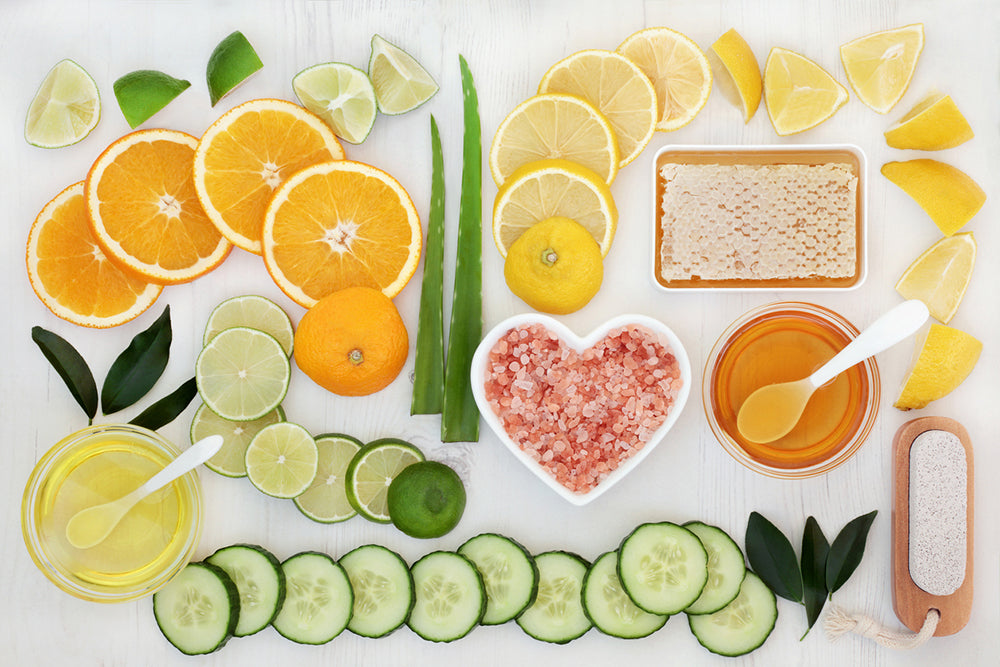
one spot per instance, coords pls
(910, 602)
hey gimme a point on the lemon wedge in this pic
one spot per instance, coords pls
(947, 194)
(798, 93)
(737, 72)
(940, 276)
(933, 124)
(943, 359)
(879, 66)
(679, 70)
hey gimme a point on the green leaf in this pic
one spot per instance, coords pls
(814, 553)
(847, 551)
(167, 408)
(138, 367)
(772, 557)
(70, 366)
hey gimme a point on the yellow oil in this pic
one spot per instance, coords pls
(147, 541)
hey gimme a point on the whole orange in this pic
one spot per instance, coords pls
(352, 342)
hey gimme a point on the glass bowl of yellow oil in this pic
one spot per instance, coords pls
(153, 541)
(781, 342)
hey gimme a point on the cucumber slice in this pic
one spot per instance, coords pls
(259, 580)
(451, 597)
(557, 614)
(726, 569)
(383, 590)
(198, 609)
(743, 624)
(663, 567)
(318, 599)
(609, 608)
(509, 573)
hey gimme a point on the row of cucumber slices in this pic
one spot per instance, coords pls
(660, 569)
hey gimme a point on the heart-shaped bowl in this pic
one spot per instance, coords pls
(482, 373)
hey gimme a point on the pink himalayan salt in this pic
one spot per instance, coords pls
(580, 415)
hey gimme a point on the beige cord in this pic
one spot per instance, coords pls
(839, 622)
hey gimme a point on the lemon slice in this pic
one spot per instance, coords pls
(798, 93)
(282, 460)
(371, 472)
(940, 276)
(142, 93)
(65, 109)
(254, 312)
(230, 460)
(326, 500)
(617, 88)
(340, 94)
(879, 66)
(945, 193)
(944, 358)
(242, 374)
(679, 70)
(232, 62)
(933, 124)
(554, 126)
(549, 189)
(737, 72)
(401, 83)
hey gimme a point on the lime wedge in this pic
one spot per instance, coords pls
(65, 109)
(232, 62)
(401, 84)
(372, 471)
(326, 498)
(340, 94)
(230, 460)
(242, 374)
(282, 460)
(254, 312)
(142, 93)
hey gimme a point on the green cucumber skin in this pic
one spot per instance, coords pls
(624, 580)
(279, 573)
(591, 616)
(531, 561)
(712, 528)
(409, 575)
(350, 602)
(586, 566)
(233, 595)
(482, 604)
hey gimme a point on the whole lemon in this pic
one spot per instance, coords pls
(352, 342)
(555, 266)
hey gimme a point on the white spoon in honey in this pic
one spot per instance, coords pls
(772, 411)
(89, 527)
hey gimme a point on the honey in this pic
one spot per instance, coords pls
(784, 344)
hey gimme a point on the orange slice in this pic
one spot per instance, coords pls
(144, 211)
(247, 153)
(71, 274)
(340, 224)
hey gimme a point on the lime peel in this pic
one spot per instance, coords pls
(144, 92)
(232, 62)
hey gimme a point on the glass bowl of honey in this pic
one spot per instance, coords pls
(782, 342)
(151, 543)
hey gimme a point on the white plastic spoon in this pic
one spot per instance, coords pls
(770, 412)
(89, 527)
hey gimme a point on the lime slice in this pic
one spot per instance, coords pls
(65, 109)
(254, 312)
(426, 499)
(326, 498)
(242, 374)
(401, 84)
(230, 460)
(282, 460)
(372, 471)
(231, 63)
(142, 93)
(340, 94)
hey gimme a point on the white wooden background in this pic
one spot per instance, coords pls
(508, 45)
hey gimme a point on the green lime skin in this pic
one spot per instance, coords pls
(426, 499)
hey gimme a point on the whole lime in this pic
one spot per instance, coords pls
(426, 499)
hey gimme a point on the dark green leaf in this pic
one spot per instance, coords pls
(772, 557)
(167, 408)
(814, 552)
(137, 369)
(847, 550)
(70, 366)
